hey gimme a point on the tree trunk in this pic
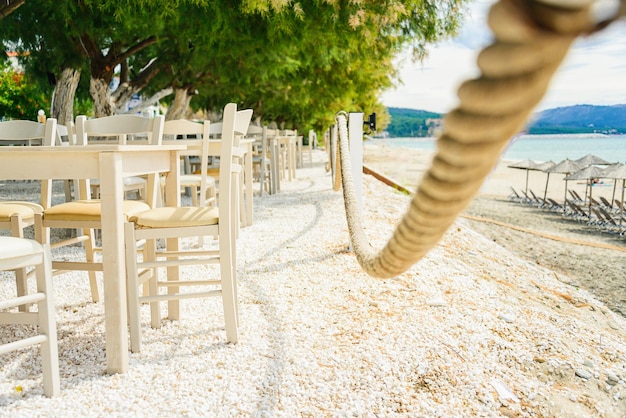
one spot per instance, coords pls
(7, 7)
(121, 96)
(180, 106)
(64, 92)
(151, 101)
(101, 95)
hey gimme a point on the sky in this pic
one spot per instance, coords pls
(594, 71)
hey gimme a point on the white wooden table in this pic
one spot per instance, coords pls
(109, 163)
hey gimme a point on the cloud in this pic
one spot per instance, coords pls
(592, 73)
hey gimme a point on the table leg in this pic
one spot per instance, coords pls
(172, 197)
(275, 150)
(248, 183)
(114, 269)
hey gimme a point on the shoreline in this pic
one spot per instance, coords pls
(598, 270)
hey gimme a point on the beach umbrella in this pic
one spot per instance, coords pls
(591, 159)
(566, 167)
(608, 171)
(617, 172)
(545, 166)
(587, 173)
(524, 165)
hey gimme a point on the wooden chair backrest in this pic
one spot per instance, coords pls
(25, 131)
(234, 124)
(195, 147)
(120, 126)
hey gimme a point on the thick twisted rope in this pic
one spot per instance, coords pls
(531, 40)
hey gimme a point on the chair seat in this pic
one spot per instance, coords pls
(26, 210)
(210, 171)
(90, 210)
(174, 217)
(12, 247)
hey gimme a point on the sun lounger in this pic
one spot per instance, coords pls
(611, 223)
(554, 205)
(575, 196)
(527, 199)
(537, 200)
(576, 212)
(514, 196)
(607, 205)
(594, 202)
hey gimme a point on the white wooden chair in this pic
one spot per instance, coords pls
(173, 223)
(202, 185)
(290, 152)
(261, 160)
(100, 130)
(85, 213)
(66, 135)
(28, 132)
(18, 215)
(275, 155)
(215, 133)
(312, 139)
(17, 254)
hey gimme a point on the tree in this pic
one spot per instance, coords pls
(19, 99)
(296, 63)
(98, 37)
(343, 57)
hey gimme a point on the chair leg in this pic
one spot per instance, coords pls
(47, 324)
(22, 286)
(242, 202)
(173, 305)
(229, 301)
(132, 288)
(195, 191)
(21, 275)
(233, 263)
(67, 189)
(150, 248)
(90, 257)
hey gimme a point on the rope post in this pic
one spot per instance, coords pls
(355, 136)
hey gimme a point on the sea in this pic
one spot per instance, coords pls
(539, 148)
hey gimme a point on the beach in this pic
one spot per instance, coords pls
(599, 270)
(472, 329)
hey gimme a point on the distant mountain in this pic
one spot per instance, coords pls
(561, 120)
(580, 119)
(410, 122)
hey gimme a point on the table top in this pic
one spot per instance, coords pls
(81, 162)
(94, 148)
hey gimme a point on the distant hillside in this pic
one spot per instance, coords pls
(409, 122)
(561, 120)
(580, 119)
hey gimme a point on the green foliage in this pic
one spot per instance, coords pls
(296, 63)
(18, 98)
(408, 123)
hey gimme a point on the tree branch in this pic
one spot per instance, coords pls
(150, 101)
(136, 48)
(7, 7)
